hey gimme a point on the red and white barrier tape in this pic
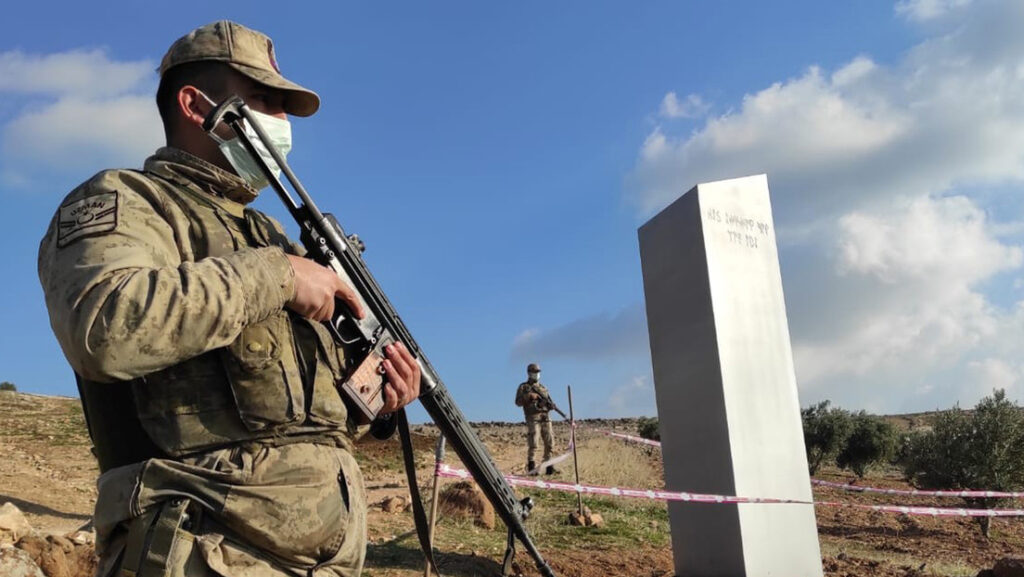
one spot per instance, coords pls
(929, 511)
(552, 461)
(444, 470)
(910, 492)
(922, 493)
(631, 438)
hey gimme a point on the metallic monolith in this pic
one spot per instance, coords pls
(725, 386)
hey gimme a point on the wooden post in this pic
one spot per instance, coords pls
(438, 459)
(575, 462)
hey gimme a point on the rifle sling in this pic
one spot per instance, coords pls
(418, 513)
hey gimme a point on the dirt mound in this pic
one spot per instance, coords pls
(464, 500)
(59, 556)
(34, 554)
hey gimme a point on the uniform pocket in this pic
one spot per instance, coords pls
(292, 506)
(177, 405)
(264, 375)
(348, 548)
(187, 388)
(326, 406)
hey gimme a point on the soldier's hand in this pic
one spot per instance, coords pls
(316, 287)
(403, 376)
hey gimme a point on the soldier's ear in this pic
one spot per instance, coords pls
(193, 105)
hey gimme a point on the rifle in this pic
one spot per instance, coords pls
(327, 244)
(545, 402)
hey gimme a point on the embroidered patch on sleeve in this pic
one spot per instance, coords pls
(92, 215)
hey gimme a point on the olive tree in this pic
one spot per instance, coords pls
(872, 441)
(649, 429)
(825, 432)
(981, 449)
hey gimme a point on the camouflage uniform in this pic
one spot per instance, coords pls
(224, 446)
(538, 424)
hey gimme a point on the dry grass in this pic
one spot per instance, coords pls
(54, 420)
(866, 552)
(611, 462)
(603, 461)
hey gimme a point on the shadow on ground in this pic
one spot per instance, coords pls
(31, 508)
(395, 555)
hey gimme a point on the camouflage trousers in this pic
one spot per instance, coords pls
(248, 511)
(538, 426)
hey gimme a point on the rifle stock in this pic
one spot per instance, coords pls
(328, 245)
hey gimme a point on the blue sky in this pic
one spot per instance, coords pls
(497, 160)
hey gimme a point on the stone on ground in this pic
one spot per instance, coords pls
(17, 563)
(13, 524)
(83, 537)
(464, 500)
(586, 518)
(395, 504)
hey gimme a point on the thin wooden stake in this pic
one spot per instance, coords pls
(575, 462)
(438, 459)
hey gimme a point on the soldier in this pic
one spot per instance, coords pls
(193, 327)
(535, 400)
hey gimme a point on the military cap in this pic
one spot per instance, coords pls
(247, 51)
(533, 368)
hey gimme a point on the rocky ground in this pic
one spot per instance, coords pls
(47, 474)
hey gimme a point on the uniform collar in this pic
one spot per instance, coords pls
(187, 169)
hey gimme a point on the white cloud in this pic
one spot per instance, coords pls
(924, 10)
(75, 134)
(943, 241)
(951, 112)
(921, 263)
(691, 107)
(633, 397)
(525, 338)
(600, 336)
(794, 131)
(991, 373)
(76, 73)
(899, 272)
(77, 112)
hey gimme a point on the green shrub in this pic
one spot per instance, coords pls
(7, 386)
(904, 445)
(648, 428)
(983, 449)
(872, 441)
(825, 433)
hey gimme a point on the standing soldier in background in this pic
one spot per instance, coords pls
(535, 400)
(208, 380)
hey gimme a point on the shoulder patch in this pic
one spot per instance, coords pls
(95, 214)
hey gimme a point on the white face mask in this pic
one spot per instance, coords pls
(533, 377)
(278, 130)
